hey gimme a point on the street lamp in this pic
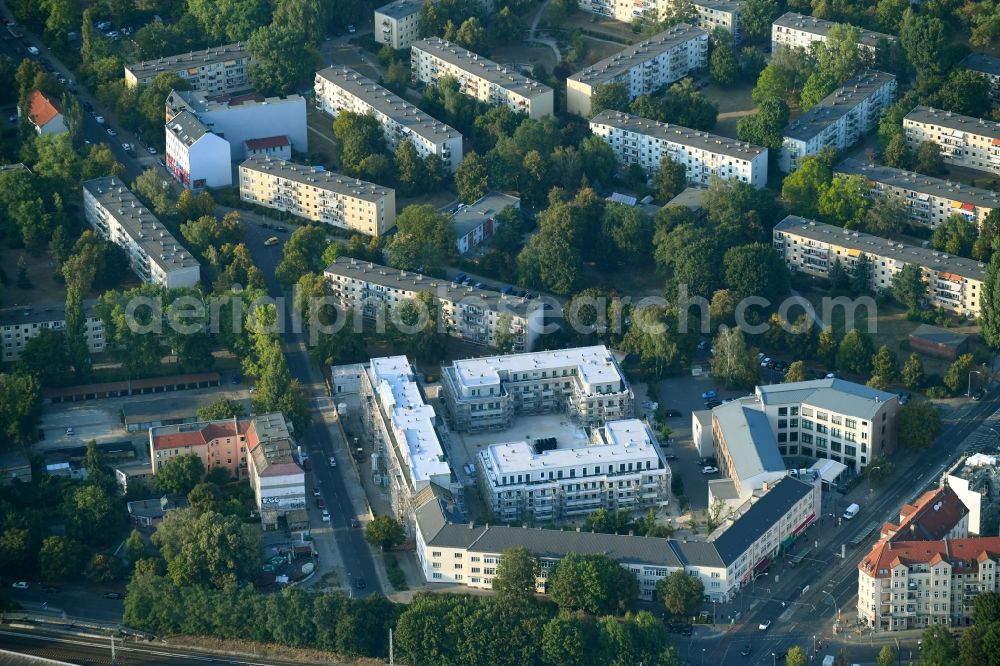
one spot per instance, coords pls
(703, 656)
(814, 644)
(774, 658)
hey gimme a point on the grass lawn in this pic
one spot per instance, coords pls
(733, 103)
(45, 289)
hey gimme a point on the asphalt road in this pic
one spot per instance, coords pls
(318, 440)
(95, 651)
(72, 602)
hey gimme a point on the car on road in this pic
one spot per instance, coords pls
(326, 516)
(709, 469)
(126, 147)
(671, 457)
(20, 585)
(709, 395)
(70, 432)
(114, 595)
(351, 29)
(765, 362)
(99, 120)
(33, 50)
(354, 523)
(747, 649)
(332, 461)
(273, 240)
(765, 625)
(316, 492)
(161, 163)
(151, 150)
(51, 589)
(978, 395)
(111, 131)
(320, 504)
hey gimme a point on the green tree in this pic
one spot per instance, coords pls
(92, 516)
(516, 577)
(909, 286)
(752, 63)
(223, 408)
(929, 160)
(796, 372)
(680, 592)
(765, 127)
(61, 558)
(826, 348)
(281, 59)
(734, 362)
(897, 152)
(361, 137)
(149, 186)
(918, 425)
(757, 17)
(688, 254)
(309, 18)
(927, 43)
(610, 97)
(207, 549)
(549, 262)
(569, 640)
(886, 216)
(20, 407)
(795, 656)
(855, 353)
(472, 35)
(179, 474)
(756, 270)
(135, 548)
(956, 235)
(938, 646)
(424, 240)
(303, 253)
(206, 497)
(669, 179)
(724, 68)
(801, 189)
(472, 178)
(819, 84)
(229, 20)
(959, 373)
(986, 608)
(384, 532)
(103, 569)
(639, 639)
(844, 201)
(410, 169)
(45, 356)
(885, 364)
(913, 372)
(207, 230)
(77, 350)
(966, 92)
(990, 304)
(592, 583)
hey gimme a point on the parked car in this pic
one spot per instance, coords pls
(320, 504)
(709, 395)
(351, 29)
(70, 432)
(764, 626)
(99, 120)
(273, 240)
(161, 163)
(354, 523)
(332, 461)
(670, 457)
(126, 146)
(326, 516)
(747, 649)
(150, 150)
(112, 132)
(709, 469)
(114, 595)
(316, 492)
(765, 362)
(20, 585)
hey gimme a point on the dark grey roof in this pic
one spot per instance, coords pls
(698, 553)
(607, 69)
(749, 438)
(503, 76)
(954, 121)
(37, 314)
(759, 518)
(685, 136)
(980, 62)
(400, 8)
(918, 182)
(208, 56)
(556, 544)
(836, 105)
(821, 27)
(317, 177)
(186, 126)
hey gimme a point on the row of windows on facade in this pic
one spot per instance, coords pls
(622, 467)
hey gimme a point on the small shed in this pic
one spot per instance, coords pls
(937, 341)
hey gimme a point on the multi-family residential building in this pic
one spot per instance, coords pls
(340, 88)
(953, 283)
(929, 201)
(621, 467)
(840, 120)
(975, 479)
(21, 323)
(799, 30)
(398, 23)
(318, 195)
(967, 142)
(196, 157)
(989, 67)
(240, 118)
(475, 223)
(643, 68)
(937, 514)
(44, 113)
(915, 584)
(275, 147)
(637, 140)
(216, 70)
(401, 426)
(586, 382)
(453, 551)
(114, 212)
(278, 482)
(479, 316)
(708, 14)
(479, 77)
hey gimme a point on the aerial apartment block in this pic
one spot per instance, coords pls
(637, 140)
(975, 479)
(398, 23)
(799, 30)
(321, 196)
(585, 382)
(709, 14)
(217, 70)
(474, 315)
(115, 213)
(620, 467)
(967, 142)
(451, 550)
(195, 156)
(643, 68)
(988, 66)
(401, 426)
(929, 201)
(338, 88)
(840, 119)
(242, 118)
(20, 323)
(953, 283)
(479, 77)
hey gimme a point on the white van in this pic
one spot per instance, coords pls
(851, 511)
(33, 50)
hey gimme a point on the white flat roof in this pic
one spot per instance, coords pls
(594, 365)
(410, 417)
(628, 441)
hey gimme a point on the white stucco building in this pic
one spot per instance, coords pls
(216, 70)
(196, 157)
(19, 324)
(973, 143)
(398, 23)
(793, 30)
